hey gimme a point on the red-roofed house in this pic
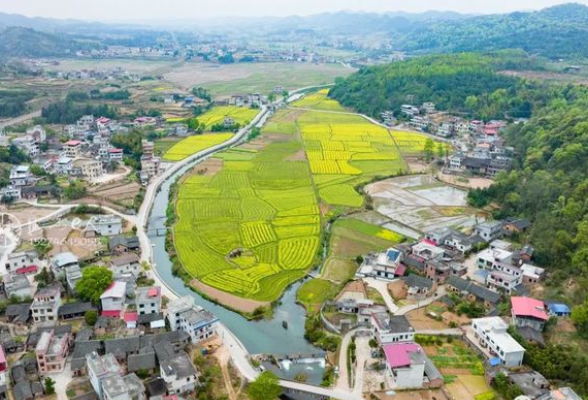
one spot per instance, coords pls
(528, 312)
(410, 368)
(72, 148)
(115, 154)
(113, 299)
(131, 318)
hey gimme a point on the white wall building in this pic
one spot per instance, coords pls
(492, 334)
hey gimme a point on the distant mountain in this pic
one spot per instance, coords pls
(560, 31)
(26, 42)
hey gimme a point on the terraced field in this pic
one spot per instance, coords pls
(193, 144)
(254, 227)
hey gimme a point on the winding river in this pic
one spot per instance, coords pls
(267, 336)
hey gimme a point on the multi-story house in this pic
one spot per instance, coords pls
(492, 335)
(125, 264)
(16, 261)
(195, 321)
(117, 387)
(20, 175)
(63, 166)
(528, 312)
(409, 367)
(27, 144)
(72, 148)
(175, 308)
(113, 299)
(89, 168)
(52, 351)
(148, 300)
(46, 303)
(391, 329)
(99, 368)
(489, 230)
(198, 323)
(179, 374)
(105, 225)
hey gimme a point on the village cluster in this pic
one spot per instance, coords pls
(137, 348)
(87, 155)
(447, 269)
(479, 147)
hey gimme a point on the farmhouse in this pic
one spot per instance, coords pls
(391, 329)
(113, 299)
(493, 336)
(528, 312)
(410, 368)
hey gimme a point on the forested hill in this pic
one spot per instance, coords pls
(26, 42)
(465, 83)
(560, 31)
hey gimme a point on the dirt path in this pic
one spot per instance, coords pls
(227, 299)
(223, 356)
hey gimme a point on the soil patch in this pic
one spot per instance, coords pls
(298, 156)
(421, 321)
(228, 300)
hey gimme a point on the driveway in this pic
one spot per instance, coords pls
(343, 380)
(362, 353)
(382, 288)
(62, 379)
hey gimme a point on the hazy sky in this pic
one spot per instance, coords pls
(189, 9)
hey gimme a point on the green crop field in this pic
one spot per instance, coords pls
(241, 115)
(255, 226)
(193, 144)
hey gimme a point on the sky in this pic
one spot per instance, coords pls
(159, 10)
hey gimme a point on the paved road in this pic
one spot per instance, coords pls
(343, 380)
(382, 288)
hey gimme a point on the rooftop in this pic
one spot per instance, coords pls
(125, 259)
(528, 307)
(103, 365)
(116, 289)
(147, 294)
(181, 366)
(181, 304)
(392, 324)
(398, 354)
(62, 259)
(496, 329)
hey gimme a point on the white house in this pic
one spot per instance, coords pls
(148, 300)
(195, 321)
(179, 374)
(46, 303)
(99, 368)
(113, 299)
(492, 334)
(63, 166)
(409, 367)
(20, 175)
(128, 263)
(391, 329)
(90, 168)
(105, 225)
(21, 259)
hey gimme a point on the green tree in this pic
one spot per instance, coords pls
(93, 283)
(49, 386)
(44, 278)
(91, 316)
(265, 387)
(580, 318)
(428, 149)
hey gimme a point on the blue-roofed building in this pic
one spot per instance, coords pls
(392, 255)
(559, 310)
